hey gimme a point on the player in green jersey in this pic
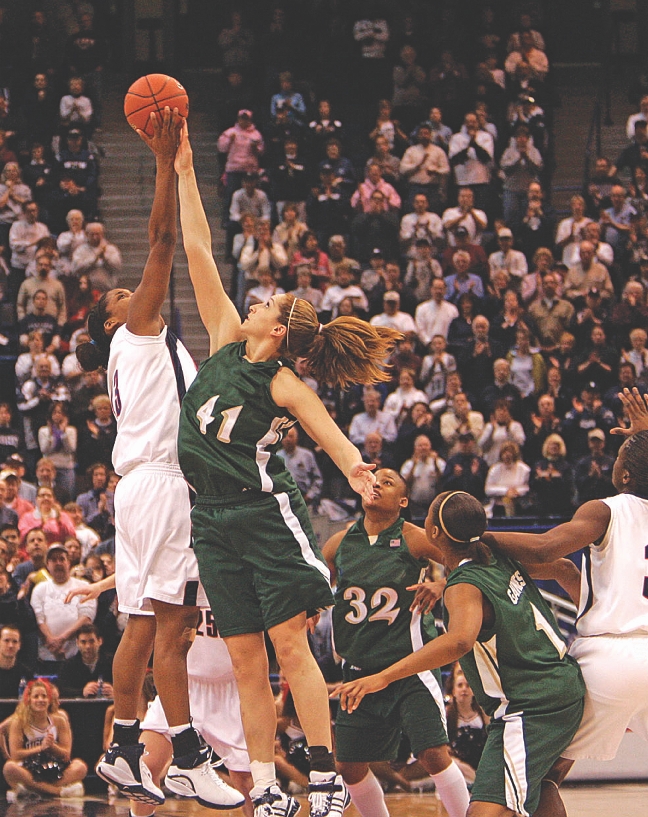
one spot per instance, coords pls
(379, 563)
(513, 656)
(258, 557)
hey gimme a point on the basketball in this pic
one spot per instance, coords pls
(153, 93)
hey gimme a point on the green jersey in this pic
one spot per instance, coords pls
(372, 623)
(231, 428)
(519, 665)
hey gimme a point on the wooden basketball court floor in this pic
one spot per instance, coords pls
(605, 800)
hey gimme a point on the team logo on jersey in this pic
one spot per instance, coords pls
(394, 543)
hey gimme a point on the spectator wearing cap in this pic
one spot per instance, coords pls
(243, 145)
(58, 621)
(75, 160)
(593, 473)
(521, 164)
(512, 262)
(587, 274)
(361, 199)
(421, 223)
(587, 412)
(15, 463)
(426, 168)
(466, 215)
(391, 316)
(594, 311)
(462, 281)
(465, 470)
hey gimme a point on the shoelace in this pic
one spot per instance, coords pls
(321, 797)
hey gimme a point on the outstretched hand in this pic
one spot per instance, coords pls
(362, 480)
(184, 156)
(86, 593)
(636, 407)
(166, 133)
(427, 595)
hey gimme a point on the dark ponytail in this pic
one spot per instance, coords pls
(94, 355)
(462, 519)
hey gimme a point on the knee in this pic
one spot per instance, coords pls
(11, 769)
(291, 650)
(353, 773)
(435, 759)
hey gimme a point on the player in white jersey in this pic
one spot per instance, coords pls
(156, 572)
(612, 625)
(215, 707)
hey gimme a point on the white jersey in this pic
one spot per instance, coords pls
(142, 379)
(614, 578)
(208, 659)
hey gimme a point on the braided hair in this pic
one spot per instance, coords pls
(635, 461)
(95, 354)
(462, 519)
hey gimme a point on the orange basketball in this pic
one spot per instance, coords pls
(153, 93)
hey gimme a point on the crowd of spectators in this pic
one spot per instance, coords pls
(426, 208)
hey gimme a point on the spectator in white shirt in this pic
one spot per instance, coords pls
(426, 168)
(434, 317)
(511, 261)
(422, 474)
(500, 429)
(372, 419)
(642, 116)
(391, 316)
(507, 481)
(100, 260)
(421, 223)
(75, 109)
(399, 401)
(466, 215)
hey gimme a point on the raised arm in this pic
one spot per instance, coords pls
(588, 525)
(217, 312)
(146, 302)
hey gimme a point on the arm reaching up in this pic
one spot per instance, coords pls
(217, 312)
(146, 302)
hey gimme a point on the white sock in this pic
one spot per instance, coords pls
(321, 777)
(264, 775)
(369, 798)
(125, 721)
(175, 730)
(452, 789)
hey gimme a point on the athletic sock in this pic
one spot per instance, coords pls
(451, 787)
(130, 813)
(368, 797)
(185, 740)
(321, 759)
(264, 775)
(126, 732)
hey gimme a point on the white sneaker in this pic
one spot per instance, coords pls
(124, 767)
(194, 776)
(274, 803)
(19, 792)
(328, 796)
(73, 790)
